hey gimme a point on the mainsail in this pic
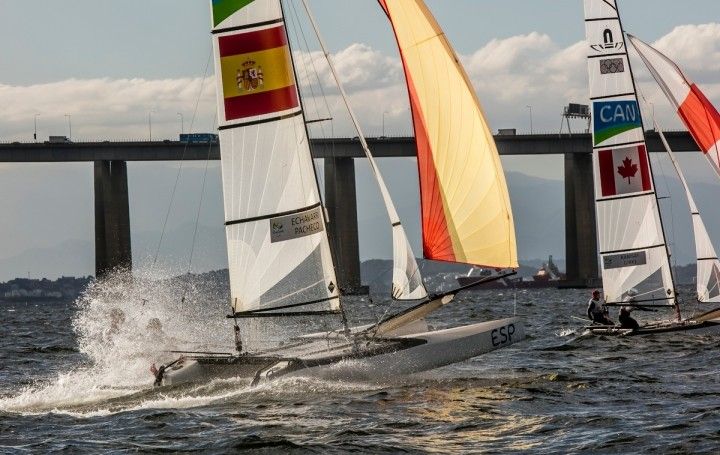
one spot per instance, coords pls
(708, 266)
(278, 250)
(466, 214)
(699, 115)
(634, 256)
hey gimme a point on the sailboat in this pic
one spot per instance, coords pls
(634, 255)
(280, 263)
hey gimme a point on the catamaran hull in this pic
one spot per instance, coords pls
(403, 355)
(438, 349)
(711, 327)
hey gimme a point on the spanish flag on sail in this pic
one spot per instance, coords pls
(257, 75)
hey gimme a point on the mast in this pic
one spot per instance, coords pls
(343, 314)
(652, 176)
(634, 254)
(407, 280)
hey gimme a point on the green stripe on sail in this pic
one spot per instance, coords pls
(604, 135)
(222, 9)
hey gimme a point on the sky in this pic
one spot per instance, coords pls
(98, 70)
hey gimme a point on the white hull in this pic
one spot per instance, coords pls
(709, 327)
(400, 355)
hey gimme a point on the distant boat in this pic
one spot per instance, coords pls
(548, 272)
(280, 264)
(548, 275)
(634, 256)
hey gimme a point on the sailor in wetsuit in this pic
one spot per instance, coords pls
(627, 321)
(597, 311)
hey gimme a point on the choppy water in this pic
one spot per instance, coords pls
(71, 382)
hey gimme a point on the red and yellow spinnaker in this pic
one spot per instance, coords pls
(696, 111)
(466, 214)
(257, 75)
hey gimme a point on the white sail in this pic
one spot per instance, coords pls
(692, 106)
(278, 251)
(407, 281)
(634, 256)
(708, 266)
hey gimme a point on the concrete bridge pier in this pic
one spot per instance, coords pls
(580, 229)
(112, 217)
(341, 203)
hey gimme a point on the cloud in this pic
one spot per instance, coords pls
(509, 75)
(696, 49)
(106, 108)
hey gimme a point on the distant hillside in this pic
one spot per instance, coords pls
(377, 273)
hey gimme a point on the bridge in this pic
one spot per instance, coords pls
(112, 214)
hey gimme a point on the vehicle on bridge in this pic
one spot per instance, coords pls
(58, 140)
(199, 138)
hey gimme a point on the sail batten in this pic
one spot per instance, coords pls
(465, 205)
(634, 256)
(278, 250)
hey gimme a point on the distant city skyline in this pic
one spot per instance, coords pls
(121, 70)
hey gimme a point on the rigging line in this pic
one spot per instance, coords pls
(389, 204)
(199, 210)
(673, 258)
(182, 160)
(323, 95)
(299, 31)
(294, 26)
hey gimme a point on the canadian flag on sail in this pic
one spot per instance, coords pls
(624, 170)
(699, 115)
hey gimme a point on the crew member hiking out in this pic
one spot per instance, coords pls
(627, 321)
(597, 311)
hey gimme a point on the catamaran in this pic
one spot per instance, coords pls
(280, 262)
(634, 254)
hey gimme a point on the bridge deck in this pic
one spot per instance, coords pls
(535, 144)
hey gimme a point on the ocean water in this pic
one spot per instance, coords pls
(74, 379)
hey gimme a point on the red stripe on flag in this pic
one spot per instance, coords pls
(607, 172)
(261, 103)
(644, 169)
(243, 43)
(701, 118)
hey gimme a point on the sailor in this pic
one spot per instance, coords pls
(238, 340)
(154, 328)
(597, 311)
(626, 321)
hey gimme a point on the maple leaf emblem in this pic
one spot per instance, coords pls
(627, 170)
